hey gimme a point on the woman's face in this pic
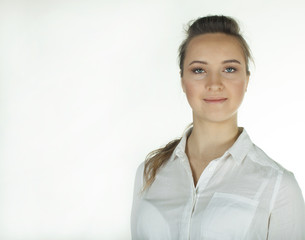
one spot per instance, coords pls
(214, 77)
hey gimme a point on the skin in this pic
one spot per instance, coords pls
(215, 81)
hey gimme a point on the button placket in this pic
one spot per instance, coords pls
(207, 174)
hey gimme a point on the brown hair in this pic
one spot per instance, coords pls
(210, 24)
(214, 24)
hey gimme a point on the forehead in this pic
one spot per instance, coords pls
(214, 46)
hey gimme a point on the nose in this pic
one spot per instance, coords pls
(214, 82)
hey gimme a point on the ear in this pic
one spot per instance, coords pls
(182, 84)
(247, 81)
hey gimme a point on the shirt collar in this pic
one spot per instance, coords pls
(180, 148)
(241, 147)
(238, 150)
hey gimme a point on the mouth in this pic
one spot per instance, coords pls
(215, 100)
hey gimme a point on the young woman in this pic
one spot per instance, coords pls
(214, 183)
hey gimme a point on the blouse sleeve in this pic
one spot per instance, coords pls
(287, 218)
(138, 184)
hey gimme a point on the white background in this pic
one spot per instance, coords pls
(89, 88)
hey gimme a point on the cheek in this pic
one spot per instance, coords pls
(190, 91)
(239, 89)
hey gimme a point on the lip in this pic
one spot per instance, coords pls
(215, 100)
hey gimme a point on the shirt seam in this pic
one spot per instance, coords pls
(276, 190)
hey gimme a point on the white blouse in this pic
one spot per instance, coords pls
(242, 195)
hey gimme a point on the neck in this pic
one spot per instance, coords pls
(210, 138)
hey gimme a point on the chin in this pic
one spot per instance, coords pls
(218, 118)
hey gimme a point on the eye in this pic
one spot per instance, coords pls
(230, 70)
(198, 70)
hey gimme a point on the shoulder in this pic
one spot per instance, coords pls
(140, 172)
(288, 199)
(285, 180)
(271, 168)
(139, 180)
(286, 190)
(258, 156)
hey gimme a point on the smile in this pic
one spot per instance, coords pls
(215, 100)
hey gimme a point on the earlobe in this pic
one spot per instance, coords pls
(183, 89)
(182, 85)
(248, 78)
(181, 81)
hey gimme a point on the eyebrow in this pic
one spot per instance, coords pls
(223, 62)
(231, 61)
